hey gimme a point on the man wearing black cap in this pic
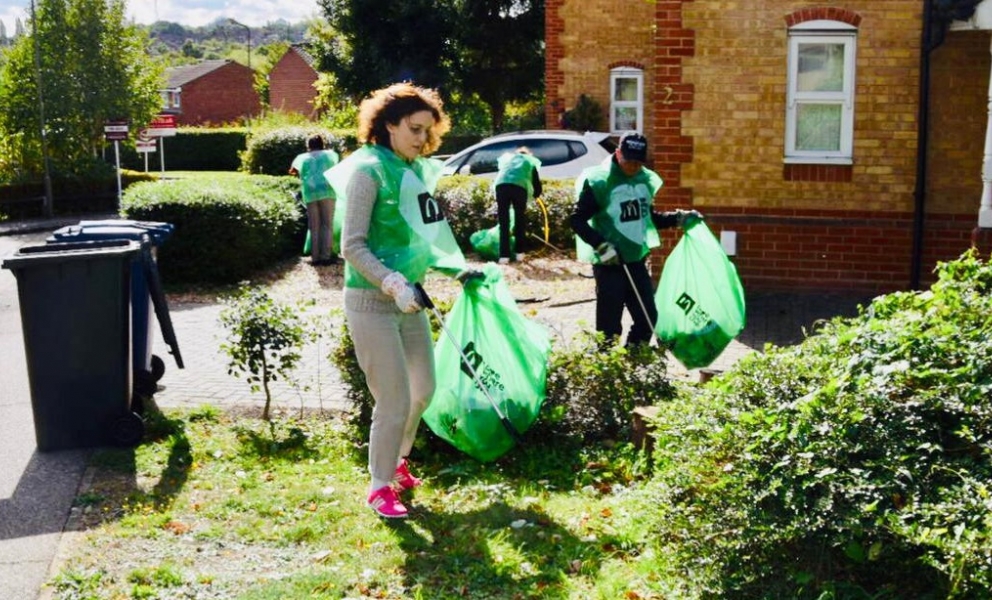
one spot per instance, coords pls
(616, 228)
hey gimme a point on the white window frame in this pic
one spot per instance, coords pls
(638, 104)
(821, 32)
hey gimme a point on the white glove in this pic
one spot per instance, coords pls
(399, 289)
(607, 254)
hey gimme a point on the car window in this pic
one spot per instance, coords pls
(484, 160)
(554, 152)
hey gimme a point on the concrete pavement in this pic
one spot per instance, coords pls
(37, 489)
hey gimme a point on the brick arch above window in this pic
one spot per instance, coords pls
(828, 13)
(626, 63)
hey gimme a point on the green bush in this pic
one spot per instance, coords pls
(470, 206)
(225, 229)
(857, 464)
(591, 390)
(272, 151)
(192, 149)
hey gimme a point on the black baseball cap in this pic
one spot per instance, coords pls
(634, 146)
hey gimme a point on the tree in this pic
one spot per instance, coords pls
(379, 42)
(93, 68)
(500, 54)
(490, 50)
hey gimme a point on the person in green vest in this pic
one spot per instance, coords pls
(318, 197)
(517, 181)
(394, 231)
(616, 227)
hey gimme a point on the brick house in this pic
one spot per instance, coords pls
(291, 82)
(213, 92)
(797, 126)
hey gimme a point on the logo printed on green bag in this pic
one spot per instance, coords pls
(697, 316)
(685, 302)
(486, 375)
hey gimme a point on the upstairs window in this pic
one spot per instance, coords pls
(171, 99)
(626, 100)
(820, 103)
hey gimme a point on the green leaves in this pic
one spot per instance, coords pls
(265, 339)
(862, 454)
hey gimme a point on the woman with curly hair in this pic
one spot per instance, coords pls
(393, 232)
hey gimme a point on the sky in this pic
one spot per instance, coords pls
(189, 12)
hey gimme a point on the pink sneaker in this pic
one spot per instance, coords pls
(386, 503)
(403, 479)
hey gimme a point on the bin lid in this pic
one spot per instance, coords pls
(44, 254)
(158, 232)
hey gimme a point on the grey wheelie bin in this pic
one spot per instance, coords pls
(75, 316)
(146, 293)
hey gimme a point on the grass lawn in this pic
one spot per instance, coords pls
(222, 506)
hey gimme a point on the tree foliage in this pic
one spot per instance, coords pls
(93, 68)
(378, 42)
(470, 50)
(501, 52)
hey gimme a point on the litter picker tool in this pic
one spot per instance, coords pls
(429, 304)
(644, 307)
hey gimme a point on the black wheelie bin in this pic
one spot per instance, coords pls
(75, 316)
(146, 293)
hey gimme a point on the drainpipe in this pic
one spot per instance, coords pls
(922, 136)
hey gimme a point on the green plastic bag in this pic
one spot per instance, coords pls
(486, 241)
(700, 300)
(510, 355)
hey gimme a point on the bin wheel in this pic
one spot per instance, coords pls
(128, 431)
(144, 383)
(158, 367)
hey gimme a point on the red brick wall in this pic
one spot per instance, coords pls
(291, 85)
(716, 96)
(225, 95)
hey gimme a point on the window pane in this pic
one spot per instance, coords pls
(818, 127)
(551, 152)
(626, 89)
(484, 160)
(821, 68)
(625, 118)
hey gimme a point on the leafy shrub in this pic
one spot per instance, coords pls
(272, 151)
(591, 390)
(192, 149)
(470, 206)
(856, 464)
(264, 339)
(225, 229)
(586, 115)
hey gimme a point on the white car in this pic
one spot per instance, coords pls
(564, 154)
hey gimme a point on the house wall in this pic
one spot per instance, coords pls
(225, 95)
(717, 102)
(589, 41)
(959, 87)
(291, 85)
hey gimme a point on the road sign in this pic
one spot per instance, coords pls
(163, 125)
(115, 130)
(145, 144)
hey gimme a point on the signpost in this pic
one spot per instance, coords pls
(163, 125)
(116, 131)
(145, 145)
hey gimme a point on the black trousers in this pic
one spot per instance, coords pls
(509, 195)
(614, 293)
